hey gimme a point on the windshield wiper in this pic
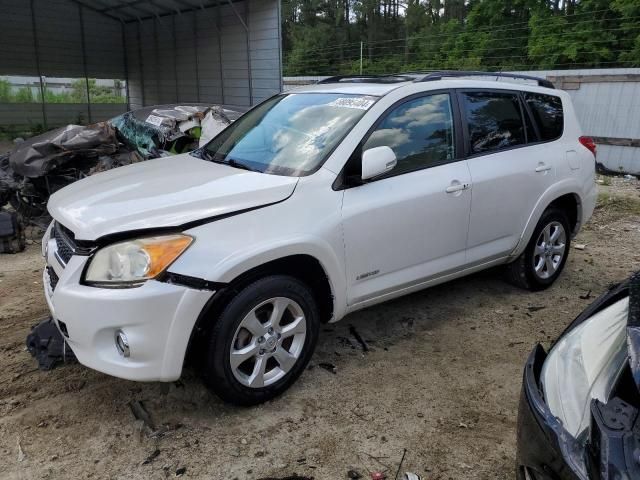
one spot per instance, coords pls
(205, 154)
(236, 164)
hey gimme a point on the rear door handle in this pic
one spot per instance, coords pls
(543, 168)
(457, 187)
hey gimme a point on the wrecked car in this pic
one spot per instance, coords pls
(42, 165)
(580, 402)
(316, 203)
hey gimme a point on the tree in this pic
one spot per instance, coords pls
(323, 36)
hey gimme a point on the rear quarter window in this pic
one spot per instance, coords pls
(547, 113)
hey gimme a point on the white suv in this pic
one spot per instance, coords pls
(316, 203)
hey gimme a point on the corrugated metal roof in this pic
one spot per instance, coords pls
(136, 10)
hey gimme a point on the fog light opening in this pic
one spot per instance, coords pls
(122, 344)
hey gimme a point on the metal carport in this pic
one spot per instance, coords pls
(168, 51)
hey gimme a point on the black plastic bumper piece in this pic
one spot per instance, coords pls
(538, 445)
(191, 282)
(614, 445)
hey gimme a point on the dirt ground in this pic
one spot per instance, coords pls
(442, 380)
(5, 146)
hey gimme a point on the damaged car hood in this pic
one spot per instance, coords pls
(160, 193)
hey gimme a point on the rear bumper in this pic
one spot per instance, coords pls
(589, 202)
(157, 319)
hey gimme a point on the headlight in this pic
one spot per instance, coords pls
(128, 264)
(585, 364)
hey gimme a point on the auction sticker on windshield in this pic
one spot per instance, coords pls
(360, 103)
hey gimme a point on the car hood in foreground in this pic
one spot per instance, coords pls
(161, 193)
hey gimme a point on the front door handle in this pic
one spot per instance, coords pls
(457, 187)
(543, 167)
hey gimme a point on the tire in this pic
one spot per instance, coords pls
(523, 272)
(276, 342)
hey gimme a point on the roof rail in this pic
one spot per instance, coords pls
(440, 75)
(392, 78)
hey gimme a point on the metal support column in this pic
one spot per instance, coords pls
(36, 46)
(248, 42)
(144, 103)
(84, 62)
(157, 58)
(196, 53)
(175, 57)
(222, 100)
(126, 65)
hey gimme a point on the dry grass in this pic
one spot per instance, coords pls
(618, 205)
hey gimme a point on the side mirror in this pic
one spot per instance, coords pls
(377, 161)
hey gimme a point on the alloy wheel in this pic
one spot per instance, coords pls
(268, 342)
(549, 250)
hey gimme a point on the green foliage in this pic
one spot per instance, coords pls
(24, 95)
(629, 11)
(5, 91)
(77, 93)
(324, 37)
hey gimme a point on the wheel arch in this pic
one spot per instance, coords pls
(564, 197)
(571, 204)
(304, 267)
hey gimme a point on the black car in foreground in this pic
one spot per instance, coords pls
(580, 402)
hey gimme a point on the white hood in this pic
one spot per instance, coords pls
(164, 192)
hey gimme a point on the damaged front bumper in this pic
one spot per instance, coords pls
(608, 449)
(156, 318)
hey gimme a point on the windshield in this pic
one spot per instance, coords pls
(289, 134)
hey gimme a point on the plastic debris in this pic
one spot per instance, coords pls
(358, 337)
(411, 476)
(378, 476)
(213, 123)
(152, 456)
(48, 346)
(138, 410)
(329, 367)
(290, 477)
(12, 236)
(586, 296)
(580, 246)
(536, 308)
(21, 454)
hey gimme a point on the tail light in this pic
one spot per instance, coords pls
(588, 143)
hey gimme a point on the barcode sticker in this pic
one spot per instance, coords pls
(361, 103)
(154, 120)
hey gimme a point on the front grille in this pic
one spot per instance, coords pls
(53, 278)
(64, 243)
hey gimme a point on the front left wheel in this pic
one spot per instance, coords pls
(262, 341)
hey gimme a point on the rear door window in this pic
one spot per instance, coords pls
(494, 121)
(548, 114)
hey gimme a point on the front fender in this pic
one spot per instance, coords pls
(225, 249)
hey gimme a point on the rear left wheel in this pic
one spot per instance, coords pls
(262, 341)
(546, 254)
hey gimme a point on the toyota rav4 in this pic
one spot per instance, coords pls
(315, 203)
